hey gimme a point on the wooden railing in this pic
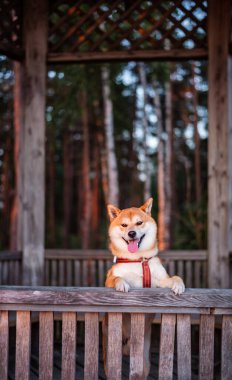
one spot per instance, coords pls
(89, 267)
(40, 356)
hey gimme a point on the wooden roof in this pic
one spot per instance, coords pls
(112, 30)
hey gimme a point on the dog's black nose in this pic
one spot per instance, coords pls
(132, 234)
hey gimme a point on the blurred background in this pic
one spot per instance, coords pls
(115, 133)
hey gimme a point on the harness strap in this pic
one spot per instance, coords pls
(146, 270)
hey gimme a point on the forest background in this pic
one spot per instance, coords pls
(115, 133)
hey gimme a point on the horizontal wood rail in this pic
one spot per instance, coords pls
(64, 267)
(83, 360)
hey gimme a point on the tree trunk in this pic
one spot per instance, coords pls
(147, 163)
(16, 212)
(169, 165)
(161, 172)
(51, 189)
(197, 157)
(67, 195)
(109, 133)
(86, 173)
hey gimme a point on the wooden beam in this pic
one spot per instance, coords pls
(33, 172)
(230, 151)
(127, 55)
(218, 43)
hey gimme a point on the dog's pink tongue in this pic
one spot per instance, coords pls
(133, 246)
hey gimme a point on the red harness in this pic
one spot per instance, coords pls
(146, 270)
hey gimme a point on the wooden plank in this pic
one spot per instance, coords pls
(33, 142)
(69, 280)
(184, 347)
(10, 255)
(180, 269)
(114, 346)
(69, 323)
(84, 273)
(101, 273)
(166, 353)
(218, 197)
(137, 346)
(171, 268)
(146, 55)
(47, 273)
(4, 344)
(191, 298)
(61, 273)
(197, 275)
(46, 330)
(206, 351)
(188, 274)
(77, 273)
(103, 254)
(226, 366)
(91, 346)
(54, 277)
(23, 335)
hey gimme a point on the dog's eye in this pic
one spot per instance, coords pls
(139, 223)
(124, 225)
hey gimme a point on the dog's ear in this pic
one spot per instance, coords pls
(113, 212)
(147, 206)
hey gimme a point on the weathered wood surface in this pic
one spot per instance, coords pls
(114, 346)
(167, 339)
(218, 197)
(184, 347)
(4, 344)
(226, 351)
(46, 327)
(172, 54)
(147, 300)
(69, 323)
(23, 339)
(137, 346)
(206, 363)
(91, 346)
(32, 151)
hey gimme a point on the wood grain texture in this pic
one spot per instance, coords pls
(46, 330)
(148, 298)
(69, 323)
(114, 346)
(172, 54)
(23, 336)
(206, 349)
(166, 353)
(91, 346)
(32, 149)
(4, 344)
(137, 346)
(184, 347)
(218, 197)
(226, 366)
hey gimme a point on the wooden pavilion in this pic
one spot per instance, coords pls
(35, 34)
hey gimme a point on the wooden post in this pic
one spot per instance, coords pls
(218, 199)
(33, 144)
(230, 156)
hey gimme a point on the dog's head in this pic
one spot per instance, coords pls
(132, 231)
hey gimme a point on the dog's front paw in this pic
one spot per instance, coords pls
(178, 286)
(121, 285)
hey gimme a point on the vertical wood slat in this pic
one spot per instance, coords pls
(23, 335)
(61, 273)
(114, 346)
(69, 280)
(137, 346)
(91, 346)
(184, 346)
(167, 338)
(101, 273)
(226, 366)
(69, 323)
(197, 274)
(206, 351)
(77, 280)
(46, 345)
(4, 344)
(54, 273)
(188, 276)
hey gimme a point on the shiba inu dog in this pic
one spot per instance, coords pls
(133, 236)
(133, 242)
